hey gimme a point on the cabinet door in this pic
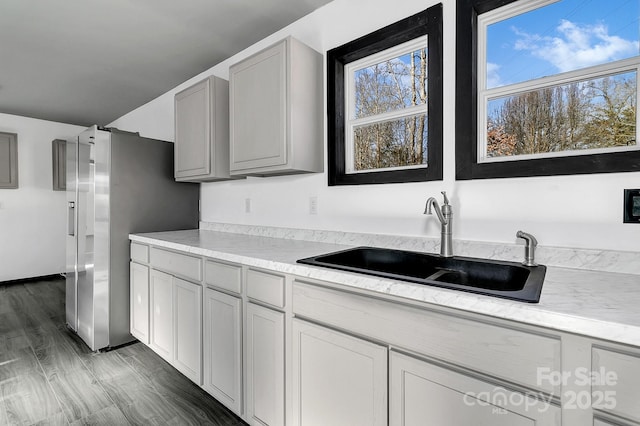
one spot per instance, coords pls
(223, 348)
(258, 94)
(265, 365)
(187, 314)
(161, 296)
(193, 129)
(616, 387)
(424, 393)
(337, 379)
(139, 301)
(8, 160)
(59, 164)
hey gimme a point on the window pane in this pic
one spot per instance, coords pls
(391, 85)
(563, 36)
(592, 114)
(397, 143)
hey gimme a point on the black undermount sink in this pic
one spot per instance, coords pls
(497, 278)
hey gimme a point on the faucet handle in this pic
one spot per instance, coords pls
(446, 200)
(529, 239)
(530, 248)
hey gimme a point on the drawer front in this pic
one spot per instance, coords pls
(265, 287)
(616, 382)
(223, 275)
(139, 252)
(177, 263)
(506, 353)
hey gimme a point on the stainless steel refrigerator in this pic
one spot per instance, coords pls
(117, 183)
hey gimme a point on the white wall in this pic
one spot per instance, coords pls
(33, 217)
(575, 211)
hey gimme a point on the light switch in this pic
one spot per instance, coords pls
(313, 205)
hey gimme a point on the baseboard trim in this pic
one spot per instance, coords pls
(33, 279)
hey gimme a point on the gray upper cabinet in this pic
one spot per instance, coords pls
(202, 131)
(59, 164)
(276, 118)
(8, 160)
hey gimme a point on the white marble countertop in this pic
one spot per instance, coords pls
(604, 305)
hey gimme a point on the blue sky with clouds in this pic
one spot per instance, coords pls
(563, 36)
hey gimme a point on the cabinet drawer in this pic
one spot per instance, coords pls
(180, 264)
(139, 252)
(507, 353)
(223, 275)
(265, 287)
(615, 382)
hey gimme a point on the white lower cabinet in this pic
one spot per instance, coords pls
(265, 365)
(161, 302)
(187, 323)
(353, 359)
(338, 379)
(139, 301)
(223, 348)
(616, 387)
(425, 393)
(176, 322)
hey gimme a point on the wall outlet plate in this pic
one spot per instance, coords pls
(631, 206)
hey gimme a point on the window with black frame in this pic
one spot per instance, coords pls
(385, 104)
(546, 87)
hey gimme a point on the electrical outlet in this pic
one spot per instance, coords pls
(631, 206)
(313, 205)
(247, 205)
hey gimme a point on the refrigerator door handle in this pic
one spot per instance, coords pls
(71, 228)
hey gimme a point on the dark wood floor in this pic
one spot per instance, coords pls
(48, 376)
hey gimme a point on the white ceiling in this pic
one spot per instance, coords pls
(91, 61)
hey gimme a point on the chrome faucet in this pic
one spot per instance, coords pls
(445, 216)
(529, 249)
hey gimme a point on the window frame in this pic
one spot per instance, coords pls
(426, 23)
(352, 122)
(466, 127)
